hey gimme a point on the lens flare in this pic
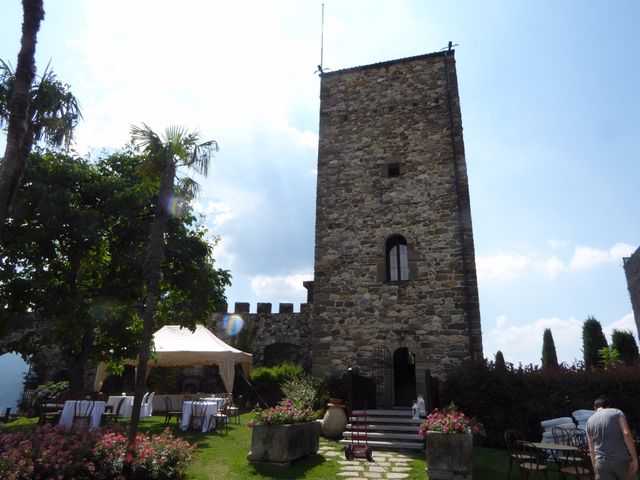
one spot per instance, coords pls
(176, 206)
(232, 324)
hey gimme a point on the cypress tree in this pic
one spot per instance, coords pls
(624, 342)
(500, 364)
(593, 341)
(549, 357)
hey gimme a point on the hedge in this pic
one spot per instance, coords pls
(521, 397)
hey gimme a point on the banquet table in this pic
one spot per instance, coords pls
(211, 408)
(66, 418)
(127, 406)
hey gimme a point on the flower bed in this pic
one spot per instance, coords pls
(49, 452)
(284, 414)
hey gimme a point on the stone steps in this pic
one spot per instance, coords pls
(389, 429)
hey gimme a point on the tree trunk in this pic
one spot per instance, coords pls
(14, 161)
(152, 275)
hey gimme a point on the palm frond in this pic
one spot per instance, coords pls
(54, 110)
(187, 188)
(176, 145)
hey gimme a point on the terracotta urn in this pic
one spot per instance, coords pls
(335, 420)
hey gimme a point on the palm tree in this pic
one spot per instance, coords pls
(163, 156)
(18, 106)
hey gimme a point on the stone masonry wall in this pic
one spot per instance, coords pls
(632, 272)
(264, 329)
(393, 113)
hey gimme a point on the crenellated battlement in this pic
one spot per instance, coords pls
(262, 308)
(272, 337)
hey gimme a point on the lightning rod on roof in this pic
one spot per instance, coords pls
(320, 68)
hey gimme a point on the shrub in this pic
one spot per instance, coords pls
(521, 397)
(49, 452)
(50, 391)
(154, 457)
(300, 392)
(609, 358)
(268, 381)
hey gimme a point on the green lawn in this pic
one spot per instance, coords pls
(224, 457)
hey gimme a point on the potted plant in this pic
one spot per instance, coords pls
(449, 438)
(283, 433)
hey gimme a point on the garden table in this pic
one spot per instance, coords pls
(211, 408)
(66, 418)
(127, 406)
(556, 450)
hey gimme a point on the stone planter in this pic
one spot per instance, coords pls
(282, 444)
(449, 456)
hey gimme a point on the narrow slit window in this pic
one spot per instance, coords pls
(397, 259)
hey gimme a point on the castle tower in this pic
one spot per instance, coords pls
(395, 291)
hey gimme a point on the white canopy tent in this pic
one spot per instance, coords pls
(177, 346)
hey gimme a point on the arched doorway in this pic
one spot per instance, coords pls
(404, 377)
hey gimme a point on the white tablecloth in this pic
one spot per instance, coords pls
(211, 409)
(66, 418)
(127, 406)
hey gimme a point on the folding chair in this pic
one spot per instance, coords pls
(221, 418)
(198, 415)
(170, 413)
(580, 469)
(82, 410)
(510, 439)
(578, 437)
(111, 417)
(531, 460)
(232, 410)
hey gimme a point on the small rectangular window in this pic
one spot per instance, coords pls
(393, 169)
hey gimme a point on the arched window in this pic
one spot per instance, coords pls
(397, 260)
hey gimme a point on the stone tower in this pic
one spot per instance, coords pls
(395, 292)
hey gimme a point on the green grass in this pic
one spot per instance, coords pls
(225, 456)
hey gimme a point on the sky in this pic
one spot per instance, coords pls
(549, 101)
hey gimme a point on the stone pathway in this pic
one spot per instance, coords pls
(385, 465)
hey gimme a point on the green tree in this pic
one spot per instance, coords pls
(13, 162)
(609, 357)
(52, 116)
(625, 343)
(549, 357)
(163, 155)
(593, 340)
(500, 364)
(73, 256)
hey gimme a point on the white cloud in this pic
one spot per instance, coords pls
(523, 342)
(501, 266)
(553, 267)
(283, 287)
(557, 243)
(507, 266)
(625, 323)
(585, 257)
